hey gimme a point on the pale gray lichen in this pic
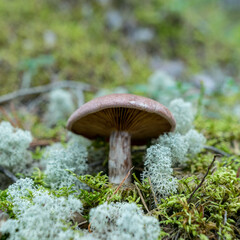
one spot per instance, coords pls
(43, 217)
(182, 146)
(195, 141)
(60, 106)
(172, 149)
(178, 147)
(48, 152)
(87, 236)
(13, 148)
(19, 192)
(74, 138)
(158, 167)
(60, 159)
(162, 87)
(117, 221)
(184, 115)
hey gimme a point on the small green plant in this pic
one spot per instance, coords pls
(103, 191)
(5, 205)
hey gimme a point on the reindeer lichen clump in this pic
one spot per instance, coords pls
(123, 221)
(172, 149)
(14, 143)
(59, 159)
(39, 214)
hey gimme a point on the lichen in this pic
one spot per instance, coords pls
(14, 143)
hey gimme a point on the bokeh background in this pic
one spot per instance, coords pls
(111, 44)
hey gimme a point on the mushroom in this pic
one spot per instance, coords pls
(122, 119)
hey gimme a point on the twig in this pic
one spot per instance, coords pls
(89, 228)
(238, 173)
(121, 184)
(41, 143)
(142, 199)
(218, 151)
(8, 174)
(6, 115)
(200, 184)
(225, 217)
(82, 223)
(46, 88)
(15, 116)
(177, 235)
(154, 195)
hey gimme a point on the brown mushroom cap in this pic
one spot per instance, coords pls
(142, 117)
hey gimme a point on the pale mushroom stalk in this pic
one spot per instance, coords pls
(119, 162)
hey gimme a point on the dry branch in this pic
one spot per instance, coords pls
(216, 150)
(154, 195)
(142, 199)
(8, 174)
(119, 186)
(46, 88)
(200, 184)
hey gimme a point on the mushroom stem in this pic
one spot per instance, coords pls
(119, 162)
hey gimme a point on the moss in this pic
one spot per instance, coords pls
(210, 213)
(224, 128)
(5, 205)
(103, 191)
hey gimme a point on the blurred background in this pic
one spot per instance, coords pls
(109, 43)
(157, 48)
